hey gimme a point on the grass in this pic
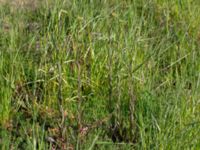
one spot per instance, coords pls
(100, 74)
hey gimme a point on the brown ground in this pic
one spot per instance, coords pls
(21, 4)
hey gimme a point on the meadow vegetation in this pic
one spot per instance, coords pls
(100, 74)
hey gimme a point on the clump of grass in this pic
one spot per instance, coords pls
(99, 75)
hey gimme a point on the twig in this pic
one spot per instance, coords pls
(79, 96)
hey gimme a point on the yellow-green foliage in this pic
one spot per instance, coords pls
(109, 74)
